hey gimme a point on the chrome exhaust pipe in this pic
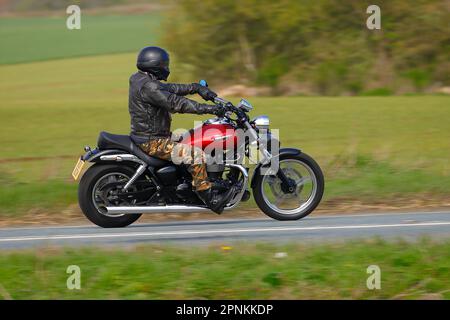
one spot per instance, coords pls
(153, 209)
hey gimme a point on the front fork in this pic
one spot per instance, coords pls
(287, 184)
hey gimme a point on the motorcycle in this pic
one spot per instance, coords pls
(124, 182)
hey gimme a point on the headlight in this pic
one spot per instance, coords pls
(262, 122)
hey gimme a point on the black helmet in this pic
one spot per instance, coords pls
(154, 60)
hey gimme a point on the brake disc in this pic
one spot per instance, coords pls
(275, 183)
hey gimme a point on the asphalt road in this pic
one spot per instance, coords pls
(409, 226)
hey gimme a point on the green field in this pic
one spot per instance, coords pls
(242, 271)
(369, 147)
(46, 38)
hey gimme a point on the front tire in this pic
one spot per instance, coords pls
(86, 200)
(263, 186)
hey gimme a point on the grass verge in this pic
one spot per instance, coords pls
(237, 271)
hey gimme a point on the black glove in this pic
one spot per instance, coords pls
(221, 110)
(205, 93)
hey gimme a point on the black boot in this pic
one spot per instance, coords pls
(216, 201)
(220, 186)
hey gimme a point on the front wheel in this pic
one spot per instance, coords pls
(277, 202)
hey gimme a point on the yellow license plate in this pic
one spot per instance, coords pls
(77, 170)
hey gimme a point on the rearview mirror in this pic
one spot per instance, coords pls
(245, 105)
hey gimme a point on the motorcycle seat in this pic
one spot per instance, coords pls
(123, 142)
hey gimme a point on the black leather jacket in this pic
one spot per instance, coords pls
(151, 102)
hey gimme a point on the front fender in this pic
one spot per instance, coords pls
(282, 152)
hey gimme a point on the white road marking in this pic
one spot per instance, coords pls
(331, 215)
(217, 231)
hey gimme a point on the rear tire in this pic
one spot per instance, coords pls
(85, 200)
(266, 208)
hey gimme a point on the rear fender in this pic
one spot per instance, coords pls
(94, 155)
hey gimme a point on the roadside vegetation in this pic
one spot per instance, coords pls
(232, 271)
(315, 47)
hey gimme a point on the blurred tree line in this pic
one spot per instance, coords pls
(313, 46)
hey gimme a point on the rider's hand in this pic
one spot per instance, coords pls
(220, 111)
(206, 94)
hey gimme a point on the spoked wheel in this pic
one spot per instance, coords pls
(278, 202)
(106, 189)
(99, 188)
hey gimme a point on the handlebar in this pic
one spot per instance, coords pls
(242, 116)
(221, 101)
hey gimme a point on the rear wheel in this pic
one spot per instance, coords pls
(98, 188)
(275, 201)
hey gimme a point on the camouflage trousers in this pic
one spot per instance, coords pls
(193, 157)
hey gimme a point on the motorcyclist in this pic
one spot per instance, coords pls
(151, 103)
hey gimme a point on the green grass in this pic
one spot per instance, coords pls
(329, 271)
(20, 197)
(45, 38)
(369, 147)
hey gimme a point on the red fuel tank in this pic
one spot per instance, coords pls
(212, 134)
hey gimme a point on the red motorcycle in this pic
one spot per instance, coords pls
(124, 182)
